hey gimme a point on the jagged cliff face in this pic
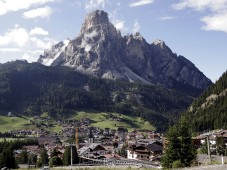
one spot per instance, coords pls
(100, 50)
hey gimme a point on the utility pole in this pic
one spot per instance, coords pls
(208, 148)
(71, 155)
(77, 139)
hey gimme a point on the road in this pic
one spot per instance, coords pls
(210, 167)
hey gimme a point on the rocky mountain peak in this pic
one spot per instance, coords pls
(98, 21)
(96, 17)
(100, 50)
(159, 43)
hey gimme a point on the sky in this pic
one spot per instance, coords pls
(196, 29)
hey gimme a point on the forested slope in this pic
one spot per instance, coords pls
(209, 111)
(33, 89)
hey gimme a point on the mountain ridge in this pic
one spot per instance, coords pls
(100, 50)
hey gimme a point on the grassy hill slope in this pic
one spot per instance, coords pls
(14, 123)
(114, 120)
(98, 119)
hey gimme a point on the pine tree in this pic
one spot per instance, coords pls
(187, 149)
(7, 158)
(67, 156)
(173, 147)
(44, 157)
(180, 150)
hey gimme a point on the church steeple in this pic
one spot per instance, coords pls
(90, 136)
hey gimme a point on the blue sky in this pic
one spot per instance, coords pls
(196, 29)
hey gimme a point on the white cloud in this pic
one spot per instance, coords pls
(20, 40)
(16, 5)
(217, 9)
(42, 43)
(217, 22)
(30, 58)
(10, 50)
(199, 5)
(38, 31)
(76, 3)
(119, 24)
(167, 18)
(18, 36)
(136, 27)
(44, 12)
(136, 3)
(94, 4)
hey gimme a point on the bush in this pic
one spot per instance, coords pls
(177, 164)
(55, 161)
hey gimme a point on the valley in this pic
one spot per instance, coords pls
(104, 98)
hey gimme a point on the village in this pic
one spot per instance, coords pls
(108, 146)
(94, 143)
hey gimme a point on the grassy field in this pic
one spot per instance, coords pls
(98, 119)
(14, 123)
(10, 139)
(104, 120)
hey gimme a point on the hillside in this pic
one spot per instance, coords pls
(98, 119)
(209, 111)
(113, 120)
(34, 89)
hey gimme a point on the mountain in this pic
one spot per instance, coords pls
(100, 50)
(209, 111)
(33, 89)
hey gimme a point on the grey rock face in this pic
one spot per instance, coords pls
(100, 50)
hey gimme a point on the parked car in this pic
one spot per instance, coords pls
(45, 168)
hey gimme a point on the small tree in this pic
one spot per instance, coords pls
(204, 149)
(55, 161)
(44, 157)
(221, 148)
(32, 158)
(23, 157)
(122, 152)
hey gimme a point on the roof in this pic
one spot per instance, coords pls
(112, 156)
(154, 147)
(151, 147)
(92, 146)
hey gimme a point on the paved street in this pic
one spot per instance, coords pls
(210, 167)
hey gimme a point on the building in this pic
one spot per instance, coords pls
(146, 153)
(92, 150)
